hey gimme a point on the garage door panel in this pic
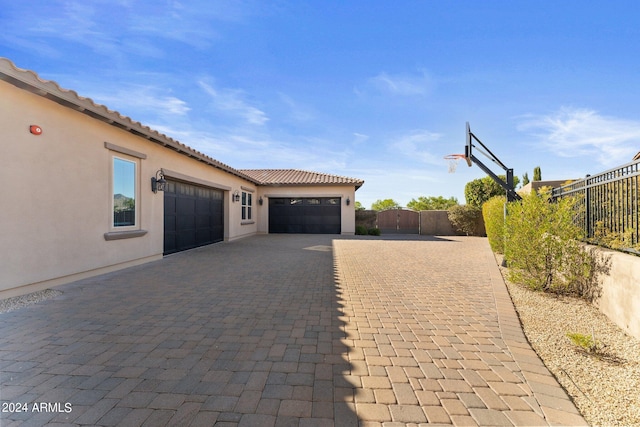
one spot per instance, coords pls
(170, 240)
(333, 220)
(203, 236)
(193, 216)
(185, 206)
(186, 223)
(203, 206)
(314, 215)
(186, 239)
(313, 220)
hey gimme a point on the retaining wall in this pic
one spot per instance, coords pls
(620, 299)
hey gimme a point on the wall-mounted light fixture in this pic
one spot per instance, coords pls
(348, 201)
(158, 183)
(235, 197)
(260, 201)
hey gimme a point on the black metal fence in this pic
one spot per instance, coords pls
(608, 204)
(124, 217)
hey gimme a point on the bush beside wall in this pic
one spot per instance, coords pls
(465, 219)
(366, 218)
(543, 248)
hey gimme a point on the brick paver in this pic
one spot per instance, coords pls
(283, 330)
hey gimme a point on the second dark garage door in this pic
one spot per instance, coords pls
(314, 215)
(193, 216)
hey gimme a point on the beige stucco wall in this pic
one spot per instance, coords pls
(348, 224)
(620, 299)
(56, 194)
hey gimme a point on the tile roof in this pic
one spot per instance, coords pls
(298, 177)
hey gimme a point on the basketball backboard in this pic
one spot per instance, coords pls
(473, 144)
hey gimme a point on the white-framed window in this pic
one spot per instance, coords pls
(247, 206)
(124, 193)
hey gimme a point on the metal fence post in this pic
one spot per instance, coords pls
(587, 210)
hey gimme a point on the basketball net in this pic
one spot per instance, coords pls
(453, 161)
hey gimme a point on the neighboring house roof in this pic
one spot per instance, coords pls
(298, 177)
(31, 82)
(536, 185)
(636, 157)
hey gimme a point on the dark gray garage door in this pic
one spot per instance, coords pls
(193, 216)
(319, 215)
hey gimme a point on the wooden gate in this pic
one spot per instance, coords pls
(401, 221)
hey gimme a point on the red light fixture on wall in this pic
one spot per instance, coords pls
(35, 129)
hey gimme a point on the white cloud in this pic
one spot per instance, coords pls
(142, 99)
(231, 100)
(360, 138)
(403, 84)
(117, 29)
(418, 145)
(296, 111)
(575, 132)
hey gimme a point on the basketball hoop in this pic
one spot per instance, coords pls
(453, 161)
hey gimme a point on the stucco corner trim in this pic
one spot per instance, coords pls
(119, 235)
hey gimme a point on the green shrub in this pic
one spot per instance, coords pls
(543, 248)
(464, 218)
(585, 342)
(374, 231)
(493, 214)
(361, 230)
(619, 240)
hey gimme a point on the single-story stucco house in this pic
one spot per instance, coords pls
(86, 191)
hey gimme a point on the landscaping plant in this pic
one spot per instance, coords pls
(464, 218)
(493, 215)
(586, 342)
(543, 248)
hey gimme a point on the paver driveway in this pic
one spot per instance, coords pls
(283, 330)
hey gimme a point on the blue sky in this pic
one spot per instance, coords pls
(378, 90)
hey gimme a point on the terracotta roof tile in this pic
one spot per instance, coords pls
(298, 177)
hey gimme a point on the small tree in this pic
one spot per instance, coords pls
(525, 179)
(381, 205)
(480, 190)
(432, 203)
(537, 174)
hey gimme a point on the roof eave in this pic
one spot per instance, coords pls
(29, 81)
(357, 185)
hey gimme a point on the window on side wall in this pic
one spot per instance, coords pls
(124, 191)
(247, 204)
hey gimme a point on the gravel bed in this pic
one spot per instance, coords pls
(10, 304)
(605, 389)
